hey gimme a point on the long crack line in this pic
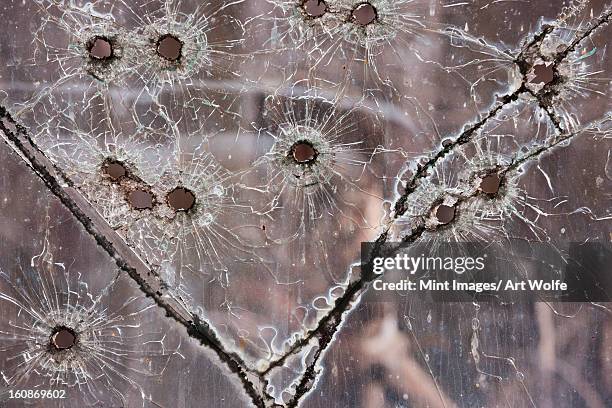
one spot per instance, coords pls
(196, 329)
(331, 322)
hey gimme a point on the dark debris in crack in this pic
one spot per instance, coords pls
(331, 323)
(17, 138)
(254, 382)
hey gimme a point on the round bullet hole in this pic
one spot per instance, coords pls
(364, 14)
(140, 199)
(445, 214)
(303, 152)
(115, 170)
(169, 47)
(100, 48)
(314, 8)
(181, 199)
(543, 74)
(63, 338)
(490, 183)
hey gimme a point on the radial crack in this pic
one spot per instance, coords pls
(254, 382)
(19, 140)
(332, 321)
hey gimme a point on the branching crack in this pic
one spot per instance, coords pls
(330, 324)
(254, 381)
(17, 138)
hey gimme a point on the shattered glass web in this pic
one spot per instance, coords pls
(399, 110)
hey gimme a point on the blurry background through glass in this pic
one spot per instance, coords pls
(185, 186)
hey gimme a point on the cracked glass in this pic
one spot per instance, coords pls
(186, 187)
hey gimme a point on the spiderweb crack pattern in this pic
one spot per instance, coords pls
(550, 98)
(68, 335)
(331, 323)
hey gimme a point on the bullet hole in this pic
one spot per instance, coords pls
(314, 8)
(364, 14)
(490, 183)
(303, 152)
(140, 199)
(63, 338)
(169, 47)
(114, 169)
(100, 48)
(181, 199)
(544, 74)
(445, 214)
